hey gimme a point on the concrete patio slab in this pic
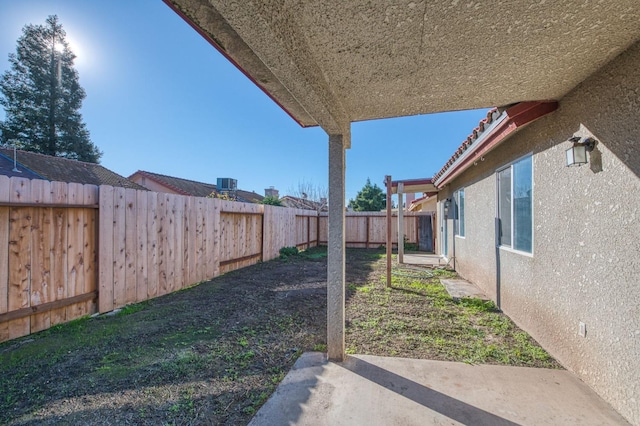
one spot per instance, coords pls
(424, 259)
(372, 390)
(458, 288)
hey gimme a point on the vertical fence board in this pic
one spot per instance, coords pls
(90, 249)
(20, 253)
(119, 248)
(142, 251)
(211, 238)
(187, 247)
(162, 245)
(178, 204)
(130, 248)
(215, 234)
(200, 240)
(105, 250)
(74, 236)
(41, 254)
(170, 225)
(4, 256)
(58, 250)
(153, 276)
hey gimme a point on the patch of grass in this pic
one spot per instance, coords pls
(314, 253)
(417, 318)
(133, 308)
(478, 305)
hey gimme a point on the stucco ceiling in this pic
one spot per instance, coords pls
(332, 62)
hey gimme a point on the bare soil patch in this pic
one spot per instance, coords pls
(212, 354)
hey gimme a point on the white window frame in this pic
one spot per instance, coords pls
(459, 213)
(511, 189)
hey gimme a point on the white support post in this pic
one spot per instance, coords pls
(400, 223)
(336, 250)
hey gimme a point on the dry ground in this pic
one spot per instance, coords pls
(212, 354)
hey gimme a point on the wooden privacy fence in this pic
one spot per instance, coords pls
(369, 229)
(153, 244)
(68, 250)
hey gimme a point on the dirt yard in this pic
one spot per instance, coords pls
(212, 354)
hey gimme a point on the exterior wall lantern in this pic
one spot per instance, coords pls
(577, 154)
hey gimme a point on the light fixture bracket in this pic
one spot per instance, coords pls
(589, 144)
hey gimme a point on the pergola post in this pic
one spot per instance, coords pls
(400, 223)
(389, 236)
(336, 250)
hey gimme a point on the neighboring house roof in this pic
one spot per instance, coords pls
(194, 188)
(7, 167)
(420, 201)
(39, 166)
(303, 203)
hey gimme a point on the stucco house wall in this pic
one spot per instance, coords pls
(585, 265)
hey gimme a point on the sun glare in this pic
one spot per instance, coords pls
(78, 49)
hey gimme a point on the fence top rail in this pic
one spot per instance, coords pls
(49, 205)
(381, 214)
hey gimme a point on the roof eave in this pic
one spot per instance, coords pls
(414, 185)
(509, 122)
(248, 73)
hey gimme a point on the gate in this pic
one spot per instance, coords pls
(425, 233)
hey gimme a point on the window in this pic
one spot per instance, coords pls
(458, 196)
(515, 205)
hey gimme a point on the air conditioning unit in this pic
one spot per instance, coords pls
(227, 184)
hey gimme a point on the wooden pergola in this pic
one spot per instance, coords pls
(401, 187)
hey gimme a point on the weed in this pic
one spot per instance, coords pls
(286, 252)
(477, 305)
(320, 347)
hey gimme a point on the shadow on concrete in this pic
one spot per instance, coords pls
(444, 404)
(285, 406)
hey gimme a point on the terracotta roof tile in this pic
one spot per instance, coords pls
(492, 115)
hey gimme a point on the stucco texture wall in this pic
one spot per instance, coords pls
(585, 265)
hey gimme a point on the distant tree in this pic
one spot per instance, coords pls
(309, 191)
(42, 96)
(222, 196)
(369, 199)
(271, 200)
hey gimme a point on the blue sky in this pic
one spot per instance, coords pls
(161, 99)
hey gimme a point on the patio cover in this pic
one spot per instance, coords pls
(333, 62)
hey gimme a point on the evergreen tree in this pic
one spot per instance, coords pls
(42, 96)
(369, 199)
(271, 201)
